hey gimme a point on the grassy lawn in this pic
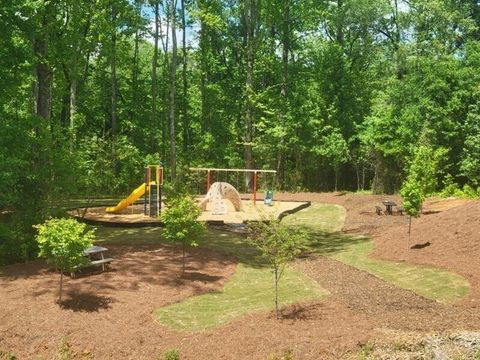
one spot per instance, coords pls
(250, 288)
(430, 282)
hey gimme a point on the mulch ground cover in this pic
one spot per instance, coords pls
(110, 315)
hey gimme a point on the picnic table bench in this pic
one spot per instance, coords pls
(388, 206)
(92, 252)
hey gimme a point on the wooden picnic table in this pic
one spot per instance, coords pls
(389, 206)
(93, 250)
(97, 257)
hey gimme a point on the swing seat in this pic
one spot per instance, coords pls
(268, 198)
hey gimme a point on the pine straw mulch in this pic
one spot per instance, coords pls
(109, 315)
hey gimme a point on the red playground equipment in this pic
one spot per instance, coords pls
(254, 172)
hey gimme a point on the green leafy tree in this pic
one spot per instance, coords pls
(470, 164)
(425, 168)
(181, 223)
(278, 244)
(335, 149)
(62, 242)
(421, 180)
(412, 197)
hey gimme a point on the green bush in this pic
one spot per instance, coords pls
(172, 354)
(17, 242)
(10, 248)
(62, 242)
(452, 189)
(7, 356)
(181, 224)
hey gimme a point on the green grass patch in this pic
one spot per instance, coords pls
(250, 289)
(327, 218)
(128, 236)
(430, 282)
(427, 281)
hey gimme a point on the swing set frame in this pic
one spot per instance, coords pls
(254, 171)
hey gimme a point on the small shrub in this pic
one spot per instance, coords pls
(365, 351)
(64, 350)
(279, 244)
(172, 354)
(62, 242)
(451, 189)
(7, 356)
(286, 355)
(181, 224)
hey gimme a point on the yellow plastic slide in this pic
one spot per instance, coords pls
(135, 194)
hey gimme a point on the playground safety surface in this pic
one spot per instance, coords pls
(133, 215)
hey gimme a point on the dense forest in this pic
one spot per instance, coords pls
(332, 94)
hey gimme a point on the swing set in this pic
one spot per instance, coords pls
(225, 175)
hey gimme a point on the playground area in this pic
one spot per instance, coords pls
(133, 215)
(348, 294)
(222, 203)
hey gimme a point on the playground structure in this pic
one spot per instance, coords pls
(255, 176)
(151, 189)
(222, 204)
(217, 193)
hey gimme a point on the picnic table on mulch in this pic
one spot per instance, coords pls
(93, 250)
(389, 206)
(97, 257)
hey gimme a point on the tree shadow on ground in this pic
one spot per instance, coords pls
(24, 270)
(300, 311)
(198, 276)
(79, 301)
(324, 243)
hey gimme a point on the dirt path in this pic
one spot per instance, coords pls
(383, 304)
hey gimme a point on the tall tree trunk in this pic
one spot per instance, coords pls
(113, 68)
(203, 43)
(34, 91)
(154, 115)
(173, 75)
(36, 193)
(340, 20)
(185, 122)
(73, 105)
(166, 84)
(65, 113)
(44, 78)
(135, 70)
(250, 11)
(283, 91)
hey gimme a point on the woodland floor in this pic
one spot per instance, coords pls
(110, 315)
